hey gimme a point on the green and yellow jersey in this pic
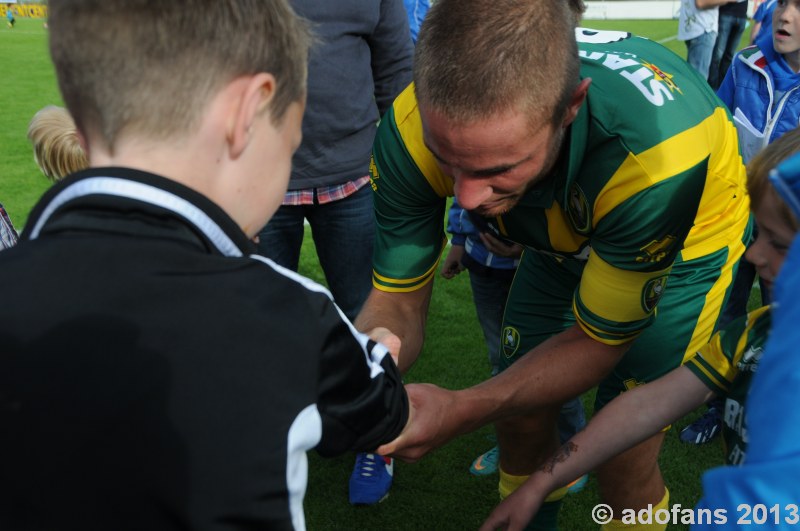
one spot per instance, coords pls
(726, 365)
(652, 174)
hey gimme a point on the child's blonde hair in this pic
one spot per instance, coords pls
(758, 184)
(56, 148)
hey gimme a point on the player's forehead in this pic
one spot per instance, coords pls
(502, 137)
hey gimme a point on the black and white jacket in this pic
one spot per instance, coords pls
(155, 374)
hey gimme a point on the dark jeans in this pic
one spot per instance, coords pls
(343, 233)
(728, 36)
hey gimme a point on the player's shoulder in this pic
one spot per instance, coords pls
(641, 92)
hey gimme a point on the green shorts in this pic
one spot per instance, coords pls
(540, 306)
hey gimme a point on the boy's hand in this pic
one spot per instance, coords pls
(452, 263)
(431, 423)
(386, 338)
(499, 247)
(514, 513)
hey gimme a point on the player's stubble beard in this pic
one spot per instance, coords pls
(513, 198)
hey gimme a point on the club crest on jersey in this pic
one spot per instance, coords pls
(578, 210)
(652, 292)
(510, 341)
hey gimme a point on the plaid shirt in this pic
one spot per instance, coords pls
(8, 236)
(324, 194)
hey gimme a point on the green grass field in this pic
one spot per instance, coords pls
(436, 494)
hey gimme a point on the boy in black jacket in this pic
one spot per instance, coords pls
(155, 372)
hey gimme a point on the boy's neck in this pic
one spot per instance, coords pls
(793, 60)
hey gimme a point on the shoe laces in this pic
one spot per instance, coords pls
(707, 423)
(366, 464)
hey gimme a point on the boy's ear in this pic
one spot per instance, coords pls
(82, 142)
(254, 97)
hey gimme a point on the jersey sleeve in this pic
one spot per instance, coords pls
(642, 217)
(361, 399)
(718, 362)
(660, 179)
(410, 194)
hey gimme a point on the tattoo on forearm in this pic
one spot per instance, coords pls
(560, 456)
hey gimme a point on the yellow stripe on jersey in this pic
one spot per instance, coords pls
(713, 355)
(395, 285)
(612, 293)
(409, 125)
(563, 237)
(709, 369)
(671, 157)
(714, 299)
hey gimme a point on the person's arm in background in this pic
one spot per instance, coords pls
(392, 53)
(758, 21)
(452, 263)
(627, 420)
(726, 91)
(708, 4)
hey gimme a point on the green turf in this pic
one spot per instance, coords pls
(436, 494)
(27, 84)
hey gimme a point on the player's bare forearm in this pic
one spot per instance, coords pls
(559, 369)
(404, 314)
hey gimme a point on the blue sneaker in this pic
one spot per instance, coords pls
(578, 485)
(371, 479)
(704, 429)
(486, 463)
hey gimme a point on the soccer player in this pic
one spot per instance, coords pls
(724, 368)
(157, 373)
(616, 167)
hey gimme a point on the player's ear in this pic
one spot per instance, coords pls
(255, 96)
(575, 102)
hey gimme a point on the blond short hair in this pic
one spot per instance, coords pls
(150, 67)
(477, 58)
(56, 148)
(759, 167)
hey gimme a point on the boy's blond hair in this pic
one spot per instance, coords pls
(758, 184)
(151, 67)
(56, 148)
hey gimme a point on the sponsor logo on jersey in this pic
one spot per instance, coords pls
(578, 210)
(655, 85)
(749, 361)
(652, 292)
(510, 341)
(656, 250)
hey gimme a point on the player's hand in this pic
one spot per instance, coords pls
(501, 248)
(452, 262)
(431, 423)
(385, 337)
(514, 513)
